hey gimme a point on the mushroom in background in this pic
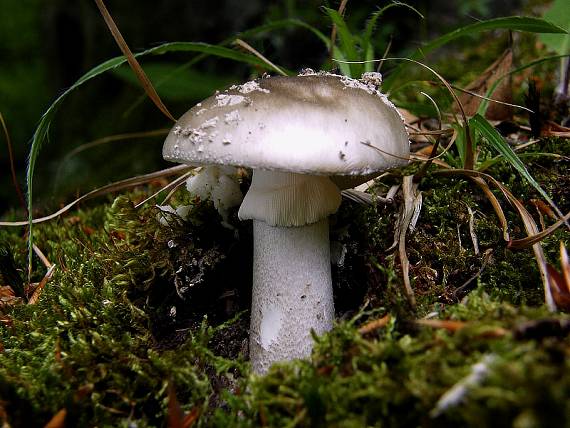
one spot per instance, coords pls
(306, 138)
(220, 184)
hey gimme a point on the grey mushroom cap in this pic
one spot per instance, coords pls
(319, 124)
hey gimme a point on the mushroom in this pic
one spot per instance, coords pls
(305, 137)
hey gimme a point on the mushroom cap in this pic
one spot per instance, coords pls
(317, 123)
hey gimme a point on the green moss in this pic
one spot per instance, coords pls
(135, 305)
(88, 345)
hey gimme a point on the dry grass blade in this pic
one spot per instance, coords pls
(483, 97)
(427, 158)
(109, 188)
(560, 282)
(175, 413)
(42, 256)
(384, 152)
(175, 183)
(176, 416)
(533, 239)
(469, 160)
(495, 203)
(365, 198)
(472, 233)
(460, 291)
(445, 324)
(341, 8)
(12, 167)
(529, 224)
(422, 172)
(38, 291)
(251, 49)
(565, 265)
(410, 211)
(135, 66)
(478, 179)
(482, 84)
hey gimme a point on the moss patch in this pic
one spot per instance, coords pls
(136, 305)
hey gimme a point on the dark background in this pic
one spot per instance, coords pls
(45, 46)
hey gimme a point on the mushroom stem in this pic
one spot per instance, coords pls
(292, 291)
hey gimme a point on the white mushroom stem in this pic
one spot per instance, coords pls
(292, 287)
(292, 291)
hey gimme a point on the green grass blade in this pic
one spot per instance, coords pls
(367, 46)
(279, 25)
(42, 130)
(181, 83)
(347, 42)
(497, 142)
(515, 23)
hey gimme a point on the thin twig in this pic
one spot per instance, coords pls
(38, 291)
(174, 183)
(42, 256)
(251, 49)
(113, 187)
(333, 30)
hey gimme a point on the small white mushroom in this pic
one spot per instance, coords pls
(218, 184)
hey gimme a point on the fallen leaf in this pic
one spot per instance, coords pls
(560, 282)
(484, 82)
(544, 208)
(8, 297)
(176, 416)
(58, 421)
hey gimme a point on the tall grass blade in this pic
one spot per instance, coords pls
(347, 42)
(496, 141)
(367, 46)
(42, 130)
